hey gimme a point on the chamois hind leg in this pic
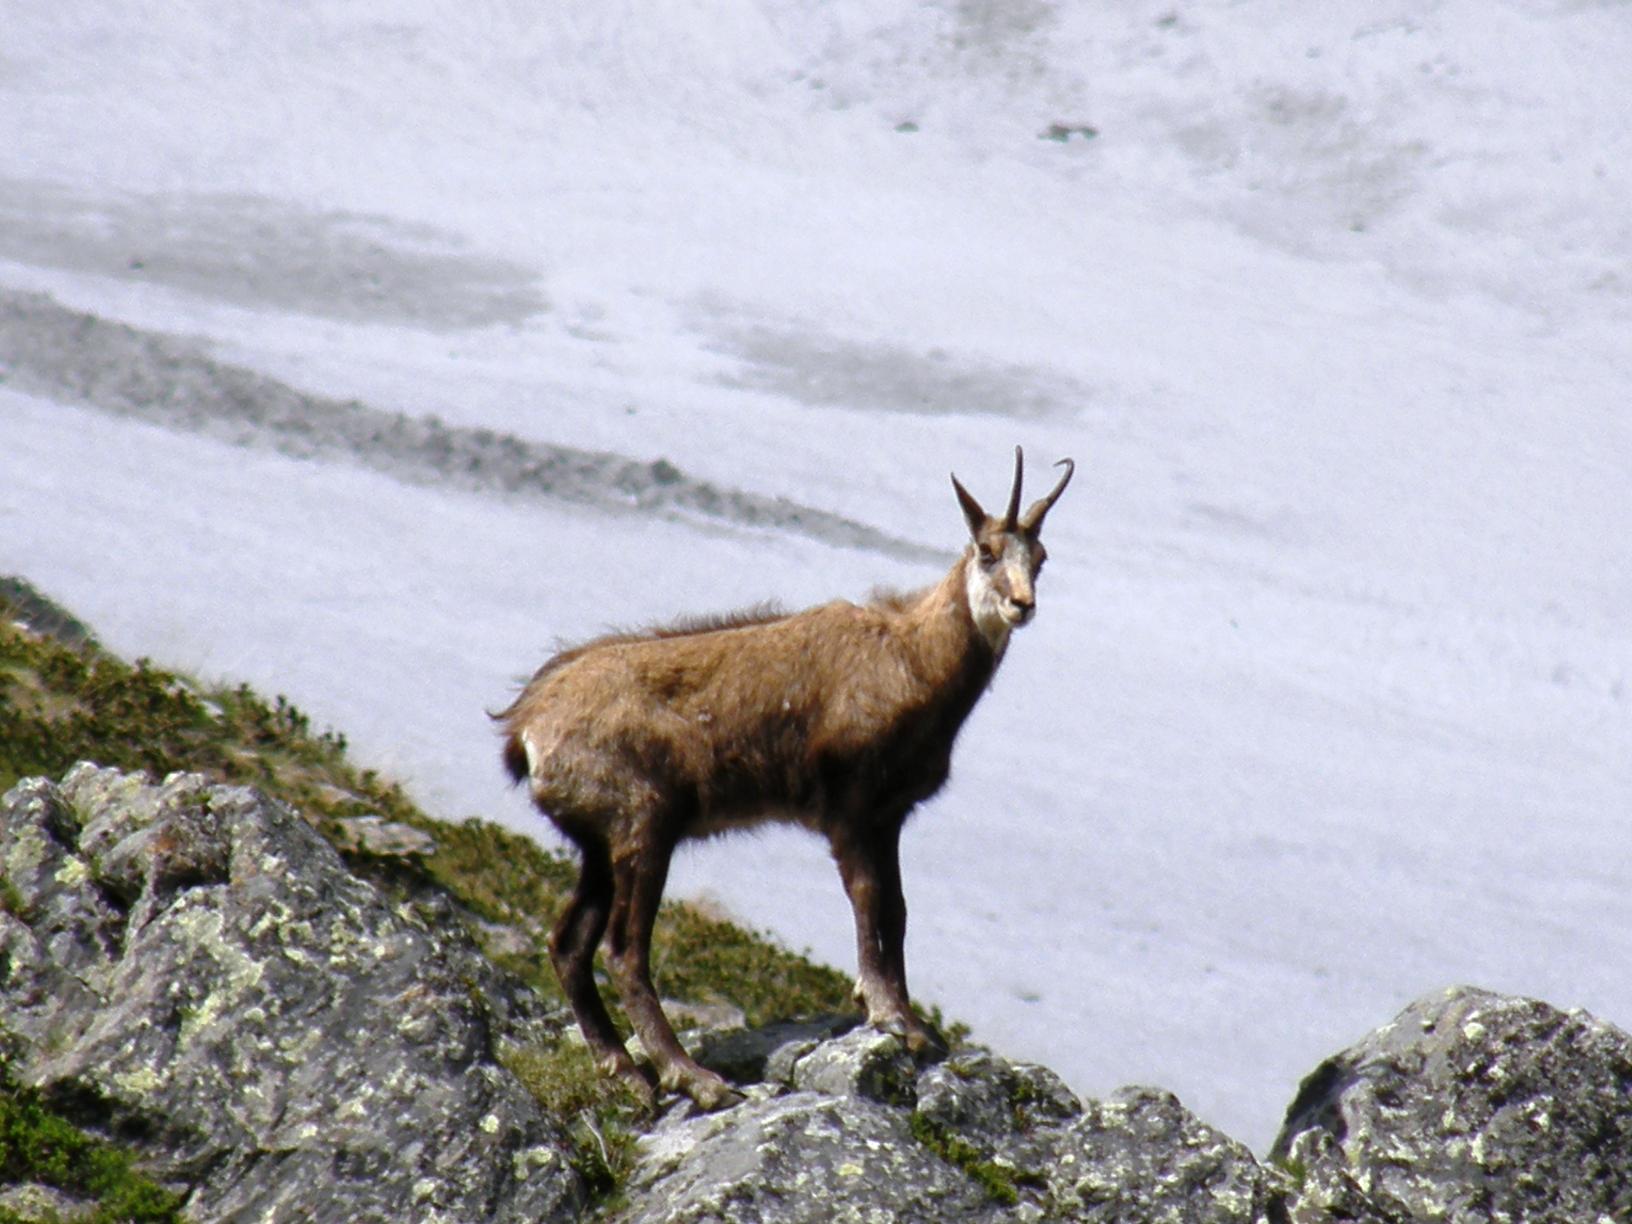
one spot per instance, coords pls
(573, 942)
(638, 875)
(870, 866)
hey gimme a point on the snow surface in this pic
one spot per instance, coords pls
(1327, 701)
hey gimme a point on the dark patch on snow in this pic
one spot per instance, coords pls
(830, 371)
(260, 253)
(56, 353)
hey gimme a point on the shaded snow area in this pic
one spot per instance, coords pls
(365, 351)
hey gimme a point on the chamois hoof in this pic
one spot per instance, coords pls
(707, 1091)
(918, 1037)
(638, 1080)
(925, 1042)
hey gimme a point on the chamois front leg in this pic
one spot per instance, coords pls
(638, 875)
(870, 866)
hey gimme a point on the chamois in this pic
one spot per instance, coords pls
(840, 718)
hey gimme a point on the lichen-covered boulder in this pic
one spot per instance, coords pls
(850, 1128)
(1142, 1156)
(799, 1158)
(191, 969)
(1137, 1156)
(1471, 1107)
(825, 1136)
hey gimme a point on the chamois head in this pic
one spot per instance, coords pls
(1005, 556)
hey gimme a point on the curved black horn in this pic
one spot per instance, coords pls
(1034, 516)
(1012, 516)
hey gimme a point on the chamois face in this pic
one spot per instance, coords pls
(1004, 557)
(1001, 579)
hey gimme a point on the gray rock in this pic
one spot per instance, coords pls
(1470, 1107)
(1324, 1191)
(796, 1158)
(192, 969)
(767, 1053)
(383, 838)
(849, 1128)
(864, 1063)
(43, 1203)
(1141, 1156)
(1020, 1106)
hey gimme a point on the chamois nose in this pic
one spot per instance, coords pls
(1024, 604)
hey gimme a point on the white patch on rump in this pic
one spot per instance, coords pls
(531, 749)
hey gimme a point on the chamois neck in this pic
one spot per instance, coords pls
(950, 629)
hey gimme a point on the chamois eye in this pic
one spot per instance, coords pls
(988, 555)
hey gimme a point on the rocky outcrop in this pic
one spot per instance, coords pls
(191, 970)
(849, 1128)
(1471, 1107)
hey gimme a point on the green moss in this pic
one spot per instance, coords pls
(38, 1146)
(1294, 1168)
(1001, 1182)
(11, 901)
(60, 704)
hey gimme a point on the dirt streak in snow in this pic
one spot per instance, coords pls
(48, 350)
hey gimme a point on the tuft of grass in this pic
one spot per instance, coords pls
(600, 1115)
(706, 960)
(38, 1146)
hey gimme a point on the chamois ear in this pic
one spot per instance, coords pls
(1032, 523)
(975, 516)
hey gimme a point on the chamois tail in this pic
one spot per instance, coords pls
(515, 758)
